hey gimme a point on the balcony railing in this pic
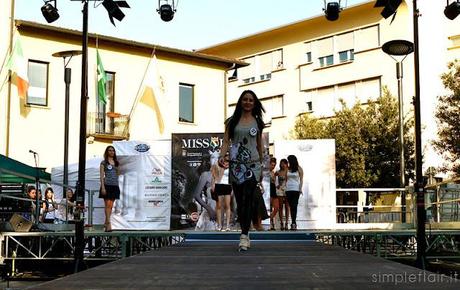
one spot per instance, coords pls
(108, 126)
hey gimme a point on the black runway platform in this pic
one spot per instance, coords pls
(215, 263)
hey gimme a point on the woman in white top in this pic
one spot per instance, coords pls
(294, 181)
(221, 187)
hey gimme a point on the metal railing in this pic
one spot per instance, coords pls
(110, 125)
(374, 205)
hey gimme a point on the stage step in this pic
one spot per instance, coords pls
(254, 236)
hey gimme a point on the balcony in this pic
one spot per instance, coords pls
(112, 126)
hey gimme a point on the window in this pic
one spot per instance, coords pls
(186, 103)
(367, 38)
(274, 107)
(38, 83)
(261, 66)
(347, 55)
(104, 123)
(326, 60)
(277, 59)
(307, 50)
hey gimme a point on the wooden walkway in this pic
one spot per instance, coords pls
(267, 265)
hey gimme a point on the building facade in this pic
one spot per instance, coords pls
(185, 86)
(309, 66)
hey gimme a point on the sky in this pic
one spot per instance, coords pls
(196, 24)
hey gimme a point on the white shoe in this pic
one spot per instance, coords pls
(244, 243)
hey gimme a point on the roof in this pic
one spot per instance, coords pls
(35, 26)
(280, 28)
(13, 171)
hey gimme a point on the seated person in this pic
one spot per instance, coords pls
(65, 206)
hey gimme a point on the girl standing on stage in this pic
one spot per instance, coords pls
(243, 136)
(294, 181)
(50, 206)
(109, 171)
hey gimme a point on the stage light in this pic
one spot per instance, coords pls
(452, 10)
(50, 12)
(389, 7)
(113, 9)
(332, 10)
(166, 10)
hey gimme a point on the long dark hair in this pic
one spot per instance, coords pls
(284, 160)
(293, 163)
(106, 155)
(257, 112)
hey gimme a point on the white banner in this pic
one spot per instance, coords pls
(145, 184)
(316, 209)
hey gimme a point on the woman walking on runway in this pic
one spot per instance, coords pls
(243, 137)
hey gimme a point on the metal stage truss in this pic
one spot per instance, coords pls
(98, 245)
(390, 244)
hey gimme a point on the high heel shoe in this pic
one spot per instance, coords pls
(272, 226)
(282, 227)
(293, 227)
(107, 227)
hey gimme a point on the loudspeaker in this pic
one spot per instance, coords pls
(20, 224)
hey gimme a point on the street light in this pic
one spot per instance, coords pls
(400, 48)
(67, 79)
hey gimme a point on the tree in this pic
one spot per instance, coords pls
(367, 142)
(447, 117)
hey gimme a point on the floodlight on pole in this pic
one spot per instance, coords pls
(80, 186)
(49, 11)
(166, 10)
(332, 10)
(452, 10)
(113, 9)
(390, 7)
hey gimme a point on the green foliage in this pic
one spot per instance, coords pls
(367, 142)
(448, 119)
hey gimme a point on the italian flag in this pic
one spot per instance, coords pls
(17, 65)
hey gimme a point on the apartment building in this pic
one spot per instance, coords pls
(307, 67)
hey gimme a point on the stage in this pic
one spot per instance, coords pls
(269, 264)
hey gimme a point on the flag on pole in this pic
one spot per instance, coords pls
(153, 89)
(17, 65)
(101, 80)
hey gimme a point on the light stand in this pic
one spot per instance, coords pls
(67, 80)
(80, 186)
(419, 190)
(400, 48)
(37, 188)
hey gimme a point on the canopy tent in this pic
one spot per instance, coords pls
(13, 171)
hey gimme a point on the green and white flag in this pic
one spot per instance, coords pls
(101, 80)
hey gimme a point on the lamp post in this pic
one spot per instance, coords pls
(400, 48)
(67, 79)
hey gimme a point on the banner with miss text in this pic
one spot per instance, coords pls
(192, 155)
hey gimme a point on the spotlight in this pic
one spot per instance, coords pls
(49, 11)
(332, 10)
(113, 8)
(389, 7)
(452, 10)
(166, 10)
